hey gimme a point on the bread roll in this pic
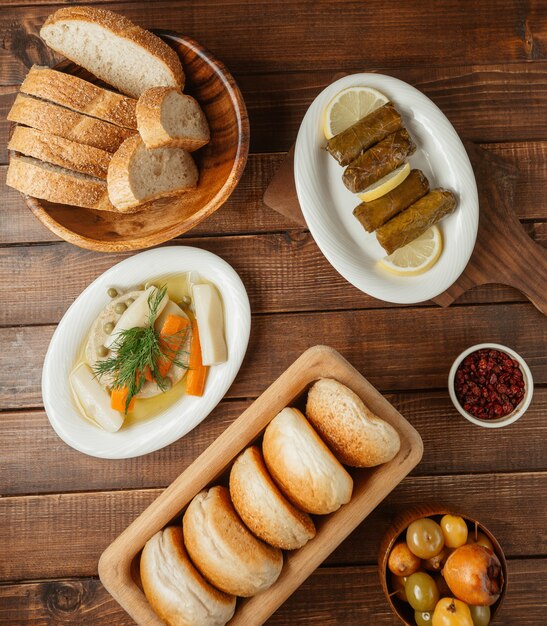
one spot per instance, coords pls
(355, 435)
(175, 589)
(224, 550)
(303, 467)
(263, 508)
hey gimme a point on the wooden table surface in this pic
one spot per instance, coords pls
(485, 65)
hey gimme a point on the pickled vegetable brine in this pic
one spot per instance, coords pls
(135, 361)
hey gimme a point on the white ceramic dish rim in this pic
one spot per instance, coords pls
(406, 289)
(170, 424)
(521, 408)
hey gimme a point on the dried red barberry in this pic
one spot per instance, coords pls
(489, 395)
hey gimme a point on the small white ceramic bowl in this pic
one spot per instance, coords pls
(528, 385)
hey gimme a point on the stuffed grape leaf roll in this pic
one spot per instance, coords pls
(377, 212)
(348, 145)
(378, 161)
(414, 221)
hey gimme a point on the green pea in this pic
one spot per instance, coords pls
(108, 327)
(129, 301)
(112, 292)
(167, 384)
(102, 351)
(120, 308)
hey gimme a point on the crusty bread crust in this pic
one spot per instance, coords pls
(303, 467)
(120, 26)
(175, 589)
(224, 550)
(60, 151)
(263, 508)
(151, 128)
(81, 96)
(121, 172)
(57, 120)
(56, 184)
(355, 435)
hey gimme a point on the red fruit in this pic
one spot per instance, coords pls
(474, 575)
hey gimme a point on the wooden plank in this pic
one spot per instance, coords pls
(486, 103)
(397, 349)
(244, 212)
(282, 272)
(344, 595)
(88, 522)
(35, 460)
(431, 34)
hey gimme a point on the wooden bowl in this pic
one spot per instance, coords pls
(401, 609)
(221, 164)
(119, 564)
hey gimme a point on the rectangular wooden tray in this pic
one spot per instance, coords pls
(118, 566)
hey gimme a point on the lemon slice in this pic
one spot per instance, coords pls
(349, 106)
(385, 184)
(417, 256)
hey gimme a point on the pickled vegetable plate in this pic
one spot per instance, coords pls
(177, 419)
(327, 205)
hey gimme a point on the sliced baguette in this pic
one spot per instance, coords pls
(113, 48)
(60, 151)
(166, 117)
(80, 95)
(137, 175)
(57, 120)
(57, 184)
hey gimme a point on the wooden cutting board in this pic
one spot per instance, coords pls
(504, 253)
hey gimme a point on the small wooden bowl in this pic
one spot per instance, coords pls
(119, 563)
(221, 164)
(401, 609)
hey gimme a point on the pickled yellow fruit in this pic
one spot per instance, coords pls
(451, 612)
(454, 530)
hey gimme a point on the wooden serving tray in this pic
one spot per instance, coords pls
(118, 565)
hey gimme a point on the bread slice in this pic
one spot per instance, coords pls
(137, 175)
(60, 151)
(166, 117)
(80, 95)
(57, 184)
(355, 435)
(57, 120)
(113, 48)
(263, 508)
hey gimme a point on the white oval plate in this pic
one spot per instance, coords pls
(328, 206)
(182, 416)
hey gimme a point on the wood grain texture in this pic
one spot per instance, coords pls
(508, 30)
(510, 505)
(35, 460)
(281, 272)
(361, 336)
(348, 596)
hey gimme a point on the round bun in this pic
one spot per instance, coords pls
(302, 466)
(355, 435)
(263, 508)
(224, 550)
(175, 589)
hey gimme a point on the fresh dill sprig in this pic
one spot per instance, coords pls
(137, 351)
